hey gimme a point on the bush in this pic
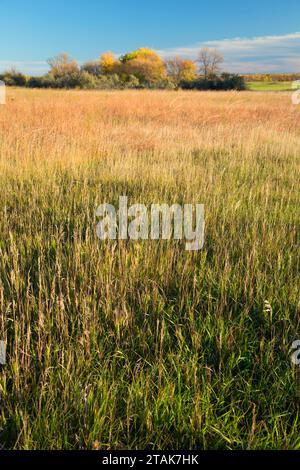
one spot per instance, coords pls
(115, 82)
(132, 82)
(108, 82)
(86, 81)
(83, 80)
(166, 84)
(233, 81)
(225, 82)
(46, 81)
(146, 70)
(13, 78)
(93, 68)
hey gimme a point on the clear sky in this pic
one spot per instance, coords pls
(254, 36)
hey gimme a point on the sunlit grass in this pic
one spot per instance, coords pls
(144, 345)
(270, 86)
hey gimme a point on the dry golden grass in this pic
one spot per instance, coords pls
(137, 345)
(79, 125)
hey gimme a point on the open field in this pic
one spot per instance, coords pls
(143, 344)
(270, 86)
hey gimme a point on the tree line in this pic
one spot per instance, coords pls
(274, 77)
(142, 68)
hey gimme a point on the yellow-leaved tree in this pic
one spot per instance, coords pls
(108, 63)
(145, 64)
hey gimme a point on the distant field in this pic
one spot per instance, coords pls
(142, 345)
(270, 86)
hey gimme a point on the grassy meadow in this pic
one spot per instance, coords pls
(143, 345)
(270, 86)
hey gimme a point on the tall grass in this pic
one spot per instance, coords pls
(141, 344)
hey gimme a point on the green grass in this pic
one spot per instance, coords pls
(144, 345)
(269, 86)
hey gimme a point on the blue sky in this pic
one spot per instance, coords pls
(254, 36)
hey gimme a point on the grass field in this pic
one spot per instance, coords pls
(270, 86)
(143, 345)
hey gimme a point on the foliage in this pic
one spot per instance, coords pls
(225, 82)
(275, 77)
(179, 69)
(108, 63)
(142, 68)
(92, 67)
(62, 65)
(46, 81)
(145, 64)
(14, 78)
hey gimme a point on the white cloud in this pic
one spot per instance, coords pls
(279, 53)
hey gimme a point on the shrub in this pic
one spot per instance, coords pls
(110, 82)
(233, 81)
(14, 78)
(93, 68)
(82, 80)
(132, 82)
(46, 81)
(225, 82)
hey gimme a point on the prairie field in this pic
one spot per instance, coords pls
(142, 344)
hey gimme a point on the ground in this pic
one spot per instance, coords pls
(125, 345)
